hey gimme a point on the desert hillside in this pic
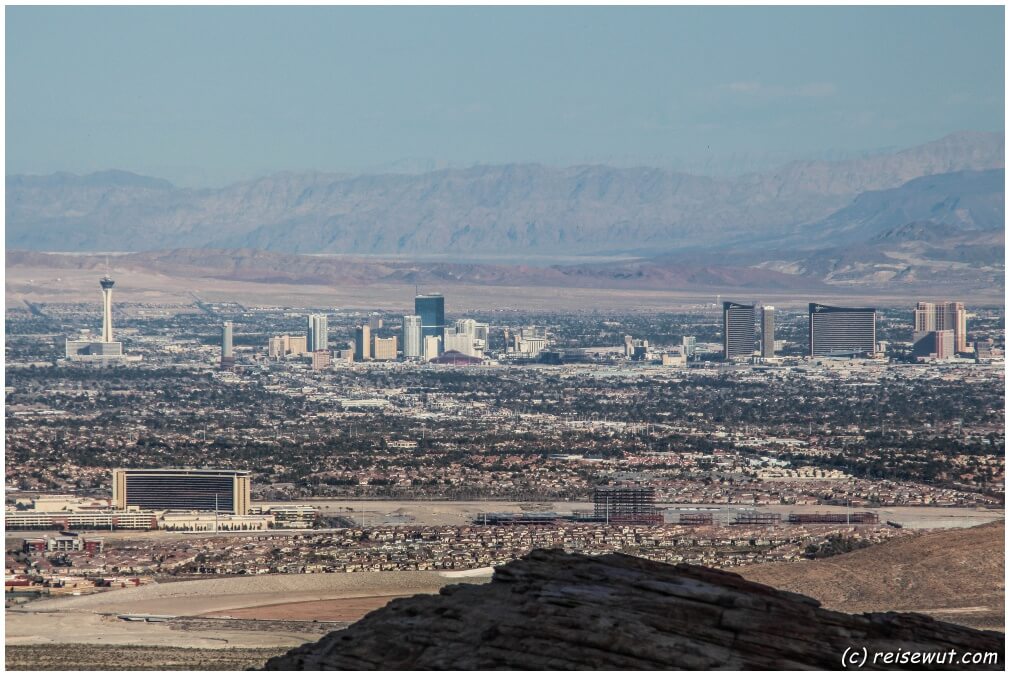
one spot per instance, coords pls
(955, 575)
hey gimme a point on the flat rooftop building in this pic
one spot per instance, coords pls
(842, 331)
(737, 330)
(222, 490)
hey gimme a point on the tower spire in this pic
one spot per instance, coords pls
(107, 283)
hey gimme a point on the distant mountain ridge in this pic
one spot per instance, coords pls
(516, 209)
(962, 200)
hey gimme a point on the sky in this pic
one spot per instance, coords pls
(205, 96)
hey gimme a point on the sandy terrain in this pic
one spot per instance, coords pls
(54, 285)
(35, 628)
(199, 597)
(333, 610)
(323, 597)
(954, 575)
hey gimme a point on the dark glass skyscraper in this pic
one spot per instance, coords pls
(737, 330)
(842, 331)
(431, 308)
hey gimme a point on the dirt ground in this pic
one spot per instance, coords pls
(331, 610)
(954, 575)
(259, 601)
(49, 285)
(81, 657)
(30, 628)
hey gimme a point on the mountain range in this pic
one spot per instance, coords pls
(928, 210)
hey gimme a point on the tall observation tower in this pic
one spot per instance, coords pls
(107, 284)
(106, 351)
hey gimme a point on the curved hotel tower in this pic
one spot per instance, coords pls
(842, 331)
(737, 330)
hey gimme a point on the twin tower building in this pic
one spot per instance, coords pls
(833, 331)
(738, 330)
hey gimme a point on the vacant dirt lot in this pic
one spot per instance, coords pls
(333, 610)
(259, 600)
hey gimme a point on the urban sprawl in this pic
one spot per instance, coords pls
(214, 438)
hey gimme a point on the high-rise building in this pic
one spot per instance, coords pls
(374, 321)
(767, 331)
(318, 335)
(362, 343)
(321, 359)
(107, 285)
(384, 349)
(432, 347)
(530, 341)
(227, 352)
(842, 331)
(737, 330)
(943, 316)
(430, 307)
(467, 337)
(413, 345)
(277, 347)
(482, 332)
(222, 490)
(688, 343)
(635, 350)
(106, 350)
(457, 342)
(934, 344)
(297, 345)
(226, 341)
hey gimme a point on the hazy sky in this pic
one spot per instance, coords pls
(204, 96)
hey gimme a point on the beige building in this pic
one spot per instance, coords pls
(220, 490)
(943, 316)
(384, 349)
(133, 519)
(297, 345)
(288, 516)
(279, 347)
(321, 359)
(674, 359)
(65, 503)
(432, 347)
(205, 522)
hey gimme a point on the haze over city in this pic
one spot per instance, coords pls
(204, 97)
(515, 338)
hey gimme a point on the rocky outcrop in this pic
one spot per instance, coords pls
(552, 610)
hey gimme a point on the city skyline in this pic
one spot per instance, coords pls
(938, 330)
(456, 337)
